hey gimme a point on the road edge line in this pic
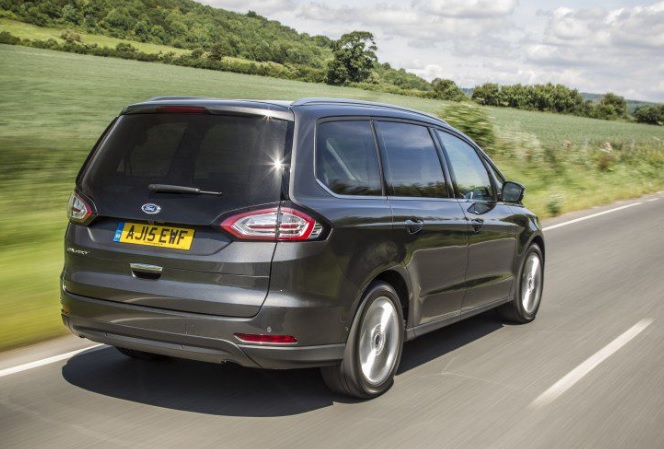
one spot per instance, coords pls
(588, 217)
(48, 360)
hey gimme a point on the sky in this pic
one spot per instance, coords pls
(591, 45)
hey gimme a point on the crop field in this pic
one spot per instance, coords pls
(55, 105)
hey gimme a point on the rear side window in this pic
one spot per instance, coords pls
(236, 155)
(472, 179)
(346, 158)
(413, 168)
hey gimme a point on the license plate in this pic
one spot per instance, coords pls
(153, 235)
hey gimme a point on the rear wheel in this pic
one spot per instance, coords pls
(134, 354)
(523, 308)
(373, 349)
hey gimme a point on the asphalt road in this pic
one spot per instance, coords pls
(588, 373)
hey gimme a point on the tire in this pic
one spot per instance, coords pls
(134, 354)
(528, 296)
(373, 349)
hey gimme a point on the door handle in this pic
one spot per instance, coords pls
(414, 226)
(477, 224)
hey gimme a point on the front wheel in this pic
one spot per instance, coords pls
(373, 349)
(523, 308)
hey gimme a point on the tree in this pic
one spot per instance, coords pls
(216, 52)
(611, 101)
(447, 90)
(487, 94)
(354, 57)
(653, 115)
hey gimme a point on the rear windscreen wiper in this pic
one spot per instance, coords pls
(167, 188)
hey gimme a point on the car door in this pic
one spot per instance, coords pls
(429, 229)
(492, 241)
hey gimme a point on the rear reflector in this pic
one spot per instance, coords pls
(181, 110)
(263, 338)
(273, 224)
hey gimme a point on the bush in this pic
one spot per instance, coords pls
(554, 205)
(9, 38)
(50, 44)
(604, 162)
(70, 36)
(472, 121)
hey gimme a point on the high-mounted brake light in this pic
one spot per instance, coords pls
(284, 224)
(266, 339)
(78, 210)
(181, 110)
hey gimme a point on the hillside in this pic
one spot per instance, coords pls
(211, 34)
(181, 24)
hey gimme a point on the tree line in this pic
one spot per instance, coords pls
(550, 98)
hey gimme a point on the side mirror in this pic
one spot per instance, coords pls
(513, 192)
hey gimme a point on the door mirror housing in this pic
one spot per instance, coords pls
(513, 192)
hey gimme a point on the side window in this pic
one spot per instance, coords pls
(471, 177)
(412, 164)
(346, 159)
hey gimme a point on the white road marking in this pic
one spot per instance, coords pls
(588, 217)
(652, 199)
(47, 361)
(582, 370)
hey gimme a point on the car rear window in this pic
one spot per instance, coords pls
(240, 156)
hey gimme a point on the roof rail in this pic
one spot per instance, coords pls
(308, 101)
(176, 97)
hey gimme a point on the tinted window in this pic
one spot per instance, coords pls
(412, 164)
(472, 179)
(232, 154)
(346, 159)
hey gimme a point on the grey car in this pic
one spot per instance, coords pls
(272, 234)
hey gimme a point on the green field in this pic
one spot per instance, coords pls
(32, 32)
(55, 105)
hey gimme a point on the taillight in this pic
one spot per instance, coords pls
(78, 210)
(266, 339)
(275, 224)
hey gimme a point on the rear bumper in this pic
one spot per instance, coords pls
(192, 336)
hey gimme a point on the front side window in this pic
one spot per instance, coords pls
(413, 168)
(471, 178)
(346, 158)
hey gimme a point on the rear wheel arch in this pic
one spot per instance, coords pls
(400, 285)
